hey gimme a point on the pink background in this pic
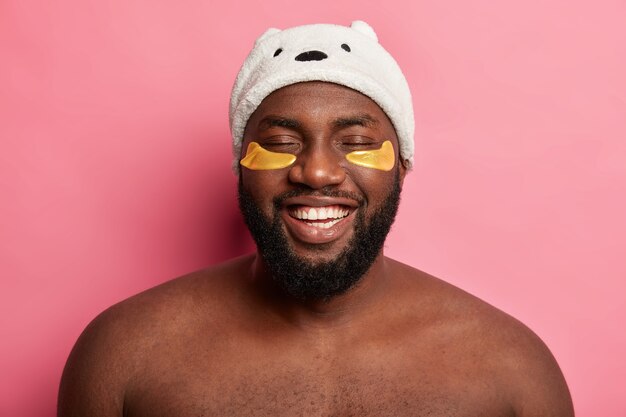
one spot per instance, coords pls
(115, 156)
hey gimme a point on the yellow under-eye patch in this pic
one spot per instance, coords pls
(259, 159)
(383, 158)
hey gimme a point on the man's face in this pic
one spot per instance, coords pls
(321, 222)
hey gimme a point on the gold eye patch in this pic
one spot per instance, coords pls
(259, 159)
(383, 158)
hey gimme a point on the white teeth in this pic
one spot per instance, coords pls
(320, 213)
(324, 225)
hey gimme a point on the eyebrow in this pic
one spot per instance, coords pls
(364, 120)
(274, 121)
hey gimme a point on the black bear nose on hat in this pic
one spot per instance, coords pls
(311, 56)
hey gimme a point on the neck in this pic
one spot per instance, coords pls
(367, 294)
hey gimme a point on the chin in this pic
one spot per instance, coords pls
(309, 271)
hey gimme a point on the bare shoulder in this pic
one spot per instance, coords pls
(116, 344)
(491, 347)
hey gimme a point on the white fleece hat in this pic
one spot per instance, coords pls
(349, 56)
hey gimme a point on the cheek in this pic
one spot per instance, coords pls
(262, 186)
(375, 185)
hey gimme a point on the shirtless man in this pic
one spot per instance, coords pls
(318, 322)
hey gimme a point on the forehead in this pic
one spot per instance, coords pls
(318, 101)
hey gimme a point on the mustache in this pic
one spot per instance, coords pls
(323, 192)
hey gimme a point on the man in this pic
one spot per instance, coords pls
(319, 322)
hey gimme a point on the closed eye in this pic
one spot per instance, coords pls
(287, 145)
(352, 143)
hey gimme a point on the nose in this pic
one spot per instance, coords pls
(317, 168)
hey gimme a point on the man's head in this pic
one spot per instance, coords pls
(348, 56)
(320, 183)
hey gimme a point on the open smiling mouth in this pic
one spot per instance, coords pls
(320, 217)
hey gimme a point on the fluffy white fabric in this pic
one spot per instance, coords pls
(367, 67)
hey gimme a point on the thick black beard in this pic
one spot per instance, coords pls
(304, 278)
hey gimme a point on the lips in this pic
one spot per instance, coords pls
(320, 217)
(317, 220)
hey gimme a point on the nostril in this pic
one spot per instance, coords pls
(311, 56)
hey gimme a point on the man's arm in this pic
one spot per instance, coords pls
(93, 379)
(539, 388)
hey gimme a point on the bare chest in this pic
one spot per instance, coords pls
(252, 386)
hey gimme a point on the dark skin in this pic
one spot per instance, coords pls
(226, 341)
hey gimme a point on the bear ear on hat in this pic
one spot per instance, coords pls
(362, 27)
(266, 34)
